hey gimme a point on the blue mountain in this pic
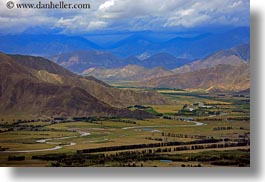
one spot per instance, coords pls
(168, 49)
(43, 45)
(197, 46)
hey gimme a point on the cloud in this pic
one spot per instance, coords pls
(214, 12)
(177, 13)
(19, 20)
(186, 20)
(97, 24)
(235, 4)
(79, 24)
(106, 5)
(127, 15)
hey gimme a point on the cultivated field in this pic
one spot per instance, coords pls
(198, 129)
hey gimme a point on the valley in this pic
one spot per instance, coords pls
(125, 84)
(196, 115)
(196, 129)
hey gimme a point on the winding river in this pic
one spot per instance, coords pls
(47, 141)
(82, 134)
(166, 126)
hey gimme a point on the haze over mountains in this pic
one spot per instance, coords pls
(43, 45)
(207, 61)
(224, 70)
(79, 61)
(147, 50)
(190, 45)
(235, 56)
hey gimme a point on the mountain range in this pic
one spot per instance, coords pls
(218, 71)
(42, 88)
(235, 56)
(79, 61)
(127, 73)
(34, 85)
(224, 70)
(44, 45)
(220, 78)
(188, 46)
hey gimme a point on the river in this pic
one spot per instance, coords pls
(82, 134)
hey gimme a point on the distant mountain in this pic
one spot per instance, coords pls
(242, 51)
(115, 74)
(223, 77)
(203, 45)
(235, 56)
(137, 39)
(189, 47)
(163, 60)
(127, 73)
(132, 46)
(43, 45)
(79, 61)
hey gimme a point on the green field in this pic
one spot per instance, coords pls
(198, 129)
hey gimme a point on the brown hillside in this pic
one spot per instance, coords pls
(98, 89)
(220, 77)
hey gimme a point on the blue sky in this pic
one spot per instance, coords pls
(129, 15)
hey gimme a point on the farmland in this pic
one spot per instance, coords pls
(197, 129)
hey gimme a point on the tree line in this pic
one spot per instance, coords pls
(129, 158)
(150, 145)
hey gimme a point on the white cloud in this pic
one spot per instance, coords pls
(106, 5)
(176, 12)
(213, 12)
(127, 14)
(97, 24)
(235, 4)
(79, 24)
(187, 12)
(186, 21)
(11, 20)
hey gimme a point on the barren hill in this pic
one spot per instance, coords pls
(31, 89)
(221, 77)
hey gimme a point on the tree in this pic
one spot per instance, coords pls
(184, 107)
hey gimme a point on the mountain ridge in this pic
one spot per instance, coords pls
(127, 73)
(136, 43)
(234, 56)
(102, 91)
(27, 90)
(80, 61)
(222, 77)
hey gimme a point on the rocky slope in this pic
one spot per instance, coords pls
(32, 89)
(127, 73)
(235, 56)
(222, 77)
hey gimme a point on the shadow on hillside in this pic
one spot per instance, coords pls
(194, 173)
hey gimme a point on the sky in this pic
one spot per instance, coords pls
(129, 15)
